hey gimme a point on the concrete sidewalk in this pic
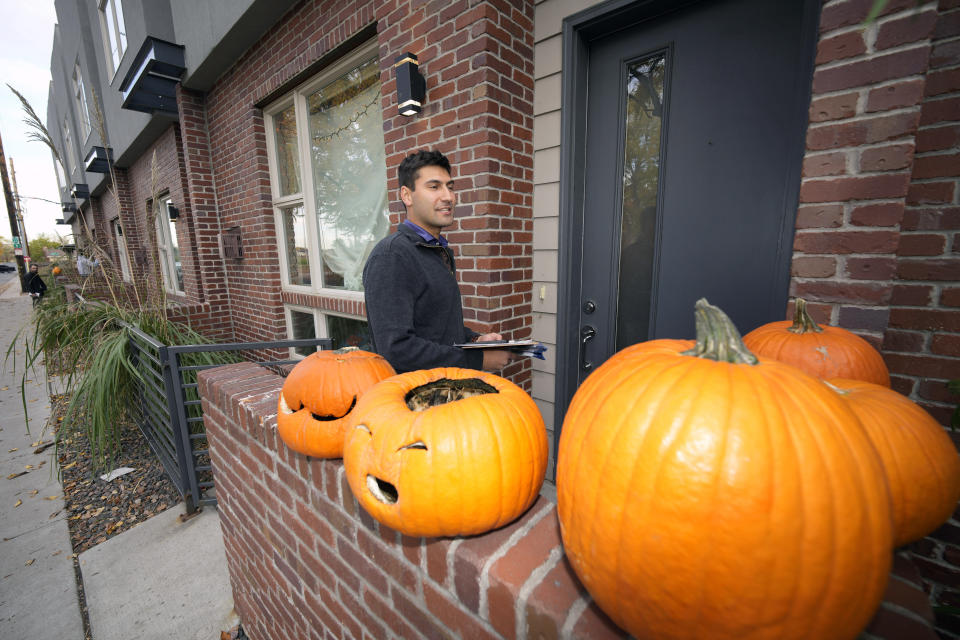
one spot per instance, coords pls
(164, 578)
(38, 589)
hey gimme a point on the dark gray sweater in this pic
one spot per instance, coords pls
(414, 306)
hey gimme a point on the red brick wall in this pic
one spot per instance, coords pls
(478, 63)
(875, 243)
(306, 561)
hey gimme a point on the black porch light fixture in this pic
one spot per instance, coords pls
(411, 87)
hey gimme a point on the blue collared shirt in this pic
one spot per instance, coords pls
(426, 235)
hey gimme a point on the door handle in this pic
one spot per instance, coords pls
(587, 334)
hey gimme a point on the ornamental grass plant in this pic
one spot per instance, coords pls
(87, 341)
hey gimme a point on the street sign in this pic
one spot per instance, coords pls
(16, 243)
(18, 252)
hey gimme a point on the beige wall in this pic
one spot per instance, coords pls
(548, 57)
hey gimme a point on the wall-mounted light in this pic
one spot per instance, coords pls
(411, 87)
(172, 211)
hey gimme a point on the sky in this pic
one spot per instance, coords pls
(26, 41)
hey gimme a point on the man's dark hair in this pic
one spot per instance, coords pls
(411, 165)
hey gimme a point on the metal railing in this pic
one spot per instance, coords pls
(169, 412)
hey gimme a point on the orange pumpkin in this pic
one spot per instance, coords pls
(319, 394)
(446, 452)
(705, 493)
(920, 459)
(56, 270)
(823, 352)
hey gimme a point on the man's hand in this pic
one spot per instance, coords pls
(495, 359)
(489, 337)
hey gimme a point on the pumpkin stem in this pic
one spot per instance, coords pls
(802, 322)
(717, 337)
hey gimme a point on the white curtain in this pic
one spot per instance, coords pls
(349, 172)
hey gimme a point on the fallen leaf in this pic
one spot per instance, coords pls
(16, 475)
(12, 450)
(29, 466)
(57, 552)
(51, 497)
(18, 503)
(29, 562)
(53, 515)
(69, 466)
(34, 492)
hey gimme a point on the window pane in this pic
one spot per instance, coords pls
(303, 328)
(176, 265)
(348, 332)
(349, 172)
(288, 160)
(641, 177)
(295, 239)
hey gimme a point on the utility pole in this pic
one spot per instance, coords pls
(22, 227)
(12, 213)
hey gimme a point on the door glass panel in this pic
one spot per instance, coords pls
(301, 322)
(348, 332)
(295, 237)
(288, 158)
(641, 177)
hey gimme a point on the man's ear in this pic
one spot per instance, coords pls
(406, 195)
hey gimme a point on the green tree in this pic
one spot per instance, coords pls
(39, 243)
(6, 250)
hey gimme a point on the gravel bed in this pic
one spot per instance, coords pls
(99, 509)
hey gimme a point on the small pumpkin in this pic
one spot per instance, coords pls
(822, 351)
(446, 452)
(313, 412)
(920, 459)
(703, 492)
(56, 270)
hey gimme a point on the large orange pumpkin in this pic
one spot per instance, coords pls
(705, 493)
(445, 452)
(319, 394)
(56, 270)
(822, 351)
(920, 459)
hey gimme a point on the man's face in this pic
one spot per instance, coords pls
(34, 268)
(430, 203)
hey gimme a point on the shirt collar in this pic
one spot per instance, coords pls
(423, 233)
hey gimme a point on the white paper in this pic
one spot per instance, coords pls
(116, 473)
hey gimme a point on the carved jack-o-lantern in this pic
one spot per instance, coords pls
(446, 452)
(319, 394)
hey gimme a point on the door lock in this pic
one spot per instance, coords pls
(589, 306)
(587, 334)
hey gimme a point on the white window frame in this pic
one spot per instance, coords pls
(319, 322)
(80, 99)
(111, 15)
(165, 246)
(116, 228)
(70, 147)
(298, 98)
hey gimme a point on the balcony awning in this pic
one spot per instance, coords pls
(80, 191)
(150, 85)
(98, 160)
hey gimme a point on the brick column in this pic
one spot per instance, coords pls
(864, 114)
(478, 64)
(196, 173)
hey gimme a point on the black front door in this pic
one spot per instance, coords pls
(682, 156)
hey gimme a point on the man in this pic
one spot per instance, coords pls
(85, 265)
(36, 287)
(410, 283)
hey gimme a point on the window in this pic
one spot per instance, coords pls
(345, 331)
(329, 180)
(117, 230)
(168, 246)
(80, 100)
(70, 148)
(61, 176)
(113, 31)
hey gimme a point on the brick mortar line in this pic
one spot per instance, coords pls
(533, 581)
(870, 56)
(860, 117)
(484, 606)
(573, 615)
